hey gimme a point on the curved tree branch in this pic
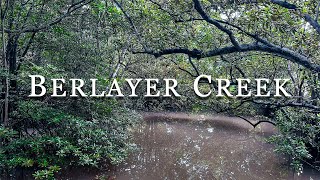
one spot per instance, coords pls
(198, 7)
(282, 52)
(73, 7)
(307, 17)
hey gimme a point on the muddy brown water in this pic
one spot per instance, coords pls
(182, 146)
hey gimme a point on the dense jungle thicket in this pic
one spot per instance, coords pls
(150, 39)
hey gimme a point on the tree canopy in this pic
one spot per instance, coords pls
(107, 39)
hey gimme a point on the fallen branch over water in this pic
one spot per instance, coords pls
(254, 125)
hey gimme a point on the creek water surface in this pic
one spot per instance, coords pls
(182, 146)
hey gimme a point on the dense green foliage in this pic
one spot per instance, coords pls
(50, 138)
(300, 136)
(110, 39)
(47, 134)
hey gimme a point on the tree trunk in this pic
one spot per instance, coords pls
(11, 55)
(5, 80)
(10, 64)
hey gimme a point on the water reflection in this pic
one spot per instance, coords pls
(212, 148)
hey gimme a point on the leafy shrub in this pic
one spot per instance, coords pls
(299, 136)
(48, 138)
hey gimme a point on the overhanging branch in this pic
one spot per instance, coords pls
(73, 7)
(307, 17)
(204, 15)
(198, 54)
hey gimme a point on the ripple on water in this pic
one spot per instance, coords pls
(183, 150)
